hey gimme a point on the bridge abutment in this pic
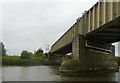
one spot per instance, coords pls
(90, 55)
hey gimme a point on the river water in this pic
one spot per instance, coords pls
(49, 73)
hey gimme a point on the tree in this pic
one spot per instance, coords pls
(26, 54)
(46, 55)
(39, 52)
(2, 49)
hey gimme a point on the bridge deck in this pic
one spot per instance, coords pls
(110, 32)
(102, 21)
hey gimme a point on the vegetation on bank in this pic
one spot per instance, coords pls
(25, 59)
(18, 61)
(32, 61)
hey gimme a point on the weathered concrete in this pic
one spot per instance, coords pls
(90, 39)
(89, 59)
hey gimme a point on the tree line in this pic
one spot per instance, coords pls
(24, 53)
(38, 53)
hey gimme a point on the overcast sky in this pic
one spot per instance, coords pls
(30, 24)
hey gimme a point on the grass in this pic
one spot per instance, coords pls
(18, 61)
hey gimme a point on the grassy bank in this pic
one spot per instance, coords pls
(18, 61)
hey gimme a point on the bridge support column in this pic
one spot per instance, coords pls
(56, 59)
(90, 56)
(78, 46)
(75, 47)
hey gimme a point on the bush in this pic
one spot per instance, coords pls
(26, 54)
(18, 61)
(39, 53)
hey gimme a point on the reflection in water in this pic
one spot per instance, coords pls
(48, 73)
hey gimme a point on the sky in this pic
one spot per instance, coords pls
(33, 24)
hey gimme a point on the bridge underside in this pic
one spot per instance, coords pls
(108, 33)
(64, 50)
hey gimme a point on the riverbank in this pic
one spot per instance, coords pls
(32, 61)
(17, 60)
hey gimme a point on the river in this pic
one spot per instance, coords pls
(48, 73)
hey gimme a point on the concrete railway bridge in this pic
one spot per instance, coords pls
(90, 39)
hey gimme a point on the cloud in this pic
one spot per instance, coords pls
(31, 25)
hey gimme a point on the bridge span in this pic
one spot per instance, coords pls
(90, 38)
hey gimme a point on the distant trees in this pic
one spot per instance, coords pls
(26, 54)
(47, 55)
(39, 52)
(2, 49)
